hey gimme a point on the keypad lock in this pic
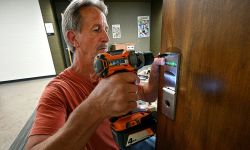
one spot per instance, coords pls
(170, 77)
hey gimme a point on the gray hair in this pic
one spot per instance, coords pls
(71, 19)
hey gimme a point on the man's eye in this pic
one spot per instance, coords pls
(96, 29)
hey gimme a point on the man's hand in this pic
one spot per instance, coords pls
(115, 95)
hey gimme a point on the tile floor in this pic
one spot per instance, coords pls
(17, 102)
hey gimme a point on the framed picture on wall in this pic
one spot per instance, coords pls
(143, 26)
(116, 31)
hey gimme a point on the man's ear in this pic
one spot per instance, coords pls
(72, 38)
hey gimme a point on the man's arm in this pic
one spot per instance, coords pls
(74, 134)
(113, 96)
(149, 91)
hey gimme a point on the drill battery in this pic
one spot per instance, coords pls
(133, 127)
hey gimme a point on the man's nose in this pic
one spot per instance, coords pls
(105, 37)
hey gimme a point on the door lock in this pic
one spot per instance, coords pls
(170, 79)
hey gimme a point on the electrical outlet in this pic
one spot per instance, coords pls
(130, 47)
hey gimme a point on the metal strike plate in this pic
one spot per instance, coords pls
(168, 105)
(171, 72)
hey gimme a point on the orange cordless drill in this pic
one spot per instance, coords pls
(136, 125)
(108, 63)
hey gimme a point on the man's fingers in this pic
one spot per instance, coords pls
(159, 61)
(132, 105)
(132, 88)
(130, 77)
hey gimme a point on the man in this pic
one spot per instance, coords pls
(74, 108)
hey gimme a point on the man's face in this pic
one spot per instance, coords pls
(93, 37)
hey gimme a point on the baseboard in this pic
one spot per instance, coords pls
(26, 79)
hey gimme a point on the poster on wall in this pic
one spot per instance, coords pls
(116, 31)
(143, 26)
(49, 28)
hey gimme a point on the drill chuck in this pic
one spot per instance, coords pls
(149, 58)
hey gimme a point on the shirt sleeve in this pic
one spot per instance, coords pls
(51, 112)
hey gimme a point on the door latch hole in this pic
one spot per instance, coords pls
(167, 103)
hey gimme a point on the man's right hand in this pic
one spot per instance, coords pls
(115, 95)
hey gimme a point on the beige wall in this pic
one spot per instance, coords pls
(125, 14)
(54, 40)
(156, 23)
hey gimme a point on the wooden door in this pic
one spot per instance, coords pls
(213, 100)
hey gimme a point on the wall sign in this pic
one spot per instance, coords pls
(49, 28)
(143, 26)
(116, 31)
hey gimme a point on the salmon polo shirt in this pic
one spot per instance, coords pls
(60, 97)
